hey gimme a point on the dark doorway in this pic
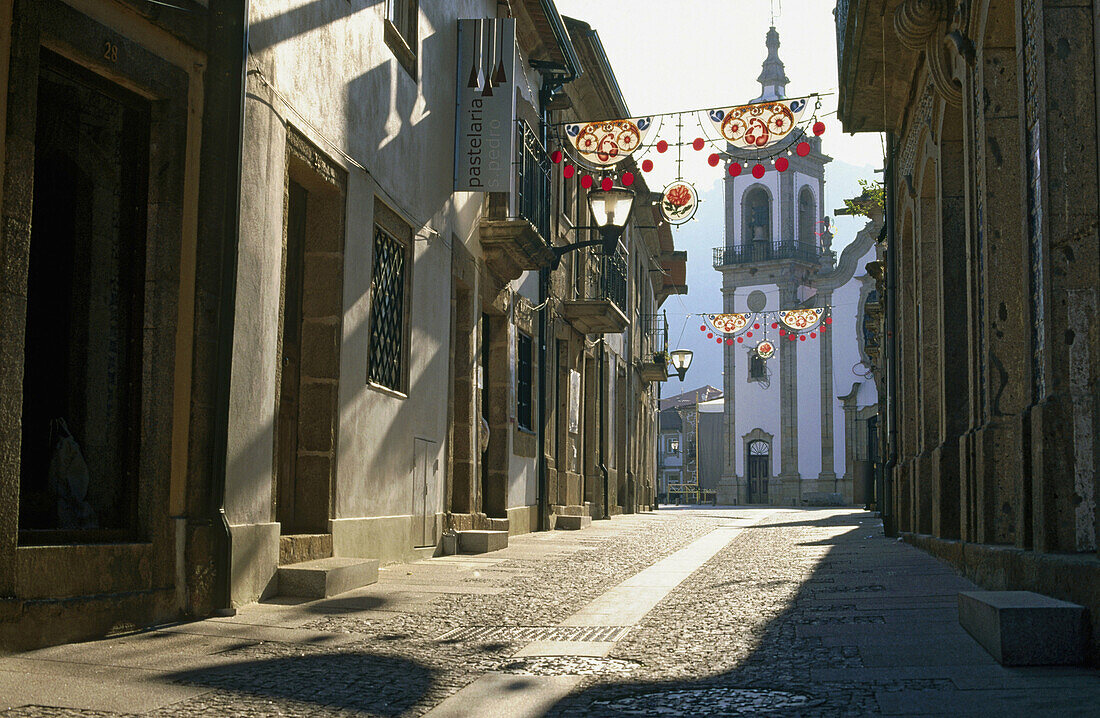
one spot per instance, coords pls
(495, 405)
(289, 389)
(757, 471)
(85, 288)
(311, 334)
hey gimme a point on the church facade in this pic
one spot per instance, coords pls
(794, 423)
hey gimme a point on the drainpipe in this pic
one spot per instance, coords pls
(224, 123)
(602, 389)
(886, 498)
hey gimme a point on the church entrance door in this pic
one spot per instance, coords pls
(757, 471)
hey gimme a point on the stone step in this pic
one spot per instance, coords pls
(1021, 628)
(325, 577)
(572, 523)
(481, 541)
(296, 548)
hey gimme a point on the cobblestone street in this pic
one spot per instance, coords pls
(680, 612)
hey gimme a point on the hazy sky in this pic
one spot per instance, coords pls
(690, 54)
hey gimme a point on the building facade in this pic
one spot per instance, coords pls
(330, 341)
(789, 438)
(990, 329)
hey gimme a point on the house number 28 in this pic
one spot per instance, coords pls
(110, 51)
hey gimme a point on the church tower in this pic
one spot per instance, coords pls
(776, 245)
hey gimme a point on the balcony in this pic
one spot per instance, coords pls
(754, 252)
(601, 307)
(653, 357)
(515, 235)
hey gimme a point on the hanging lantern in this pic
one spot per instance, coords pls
(679, 201)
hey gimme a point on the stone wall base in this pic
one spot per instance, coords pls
(1069, 577)
(389, 539)
(255, 560)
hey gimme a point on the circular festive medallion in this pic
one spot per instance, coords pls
(765, 349)
(679, 201)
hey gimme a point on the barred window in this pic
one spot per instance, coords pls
(387, 323)
(524, 401)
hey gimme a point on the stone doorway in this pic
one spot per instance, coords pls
(495, 403)
(85, 308)
(757, 471)
(309, 353)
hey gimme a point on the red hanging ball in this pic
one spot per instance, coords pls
(703, 328)
(775, 325)
(803, 149)
(755, 326)
(813, 335)
(729, 341)
(758, 171)
(740, 339)
(802, 338)
(647, 165)
(555, 156)
(793, 337)
(710, 335)
(628, 179)
(735, 169)
(606, 184)
(698, 144)
(662, 146)
(714, 159)
(782, 332)
(719, 340)
(569, 171)
(821, 329)
(586, 181)
(828, 320)
(819, 128)
(782, 164)
(748, 334)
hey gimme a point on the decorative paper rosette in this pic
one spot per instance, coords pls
(679, 201)
(608, 142)
(759, 125)
(801, 319)
(765, 349)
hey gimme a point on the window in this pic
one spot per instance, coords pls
(524, 401)
(401, 31)
(758, 368)
(757, 215)
(386, 357)
(807, 218)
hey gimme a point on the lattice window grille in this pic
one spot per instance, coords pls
(387, 336)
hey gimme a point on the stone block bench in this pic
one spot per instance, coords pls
(1021, 628)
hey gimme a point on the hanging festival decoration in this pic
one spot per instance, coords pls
(750, 138)
(679, 201)
(793, 325)
(759, 125)
(607, 143)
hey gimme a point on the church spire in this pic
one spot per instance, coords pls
(773, 78)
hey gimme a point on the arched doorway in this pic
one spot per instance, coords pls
(758, 463)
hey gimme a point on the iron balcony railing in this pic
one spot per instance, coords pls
(613, 280)
(532, 179)
(654, 334)
(764, 252)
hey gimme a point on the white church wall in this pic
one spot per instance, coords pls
(848, 366)
(808, 361)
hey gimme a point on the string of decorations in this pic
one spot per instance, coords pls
(745, 134)
(792, 324)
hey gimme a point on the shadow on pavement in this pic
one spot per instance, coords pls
(377, 684)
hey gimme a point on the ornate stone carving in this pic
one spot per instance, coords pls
(941, 70)
(915, 21)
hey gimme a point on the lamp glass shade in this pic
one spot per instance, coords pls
(611, 208)
(681, 359)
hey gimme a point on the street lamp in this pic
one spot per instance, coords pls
(610, 210)
(681, 360)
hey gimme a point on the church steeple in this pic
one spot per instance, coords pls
(773, 78)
